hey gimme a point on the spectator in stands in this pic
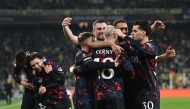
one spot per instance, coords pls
(8, 91)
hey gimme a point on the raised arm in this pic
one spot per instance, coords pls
(157, 25)
(169, 54)
(145, 47)
(68, 33)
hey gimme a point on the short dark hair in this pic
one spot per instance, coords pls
(34, 55)
(143, 25)
(99, 21)
(118, 21)
(83, 36)
(20, 56)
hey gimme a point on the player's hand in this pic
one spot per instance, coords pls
(157, 24)
(66, 21)
(170, 52)
(30, 85)
(117, 62)
(117, 49)
(26, 84)
(119, 33)
(48, 68)
(71, 69)
(42, 90)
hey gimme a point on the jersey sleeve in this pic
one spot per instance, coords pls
(37, 96)
(85, 62)
(79, 70)
(57, 73)
(90, 63)
(126, 64)
(148, 47)
(15, 74)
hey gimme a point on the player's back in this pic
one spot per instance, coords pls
(108, 82)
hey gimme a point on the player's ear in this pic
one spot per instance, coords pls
(144, 33)
(93, 31)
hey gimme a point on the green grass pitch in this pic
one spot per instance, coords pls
(165, 103)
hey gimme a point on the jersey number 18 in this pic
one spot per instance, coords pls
(102, 72)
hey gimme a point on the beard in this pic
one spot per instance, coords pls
(39, 69)
(100, 37)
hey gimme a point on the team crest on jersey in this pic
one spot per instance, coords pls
(60, 69)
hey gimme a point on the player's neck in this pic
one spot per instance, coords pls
(145, 39)
(85, 48)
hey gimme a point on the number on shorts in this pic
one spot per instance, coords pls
(148, 105)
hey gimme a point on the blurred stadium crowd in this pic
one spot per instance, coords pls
(49, 39)
(67, 4)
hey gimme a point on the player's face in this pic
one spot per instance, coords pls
(136, 33)
(37, 64)
(123, 27)
(98, 31)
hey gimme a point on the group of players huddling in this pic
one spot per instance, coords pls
(112, 70)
